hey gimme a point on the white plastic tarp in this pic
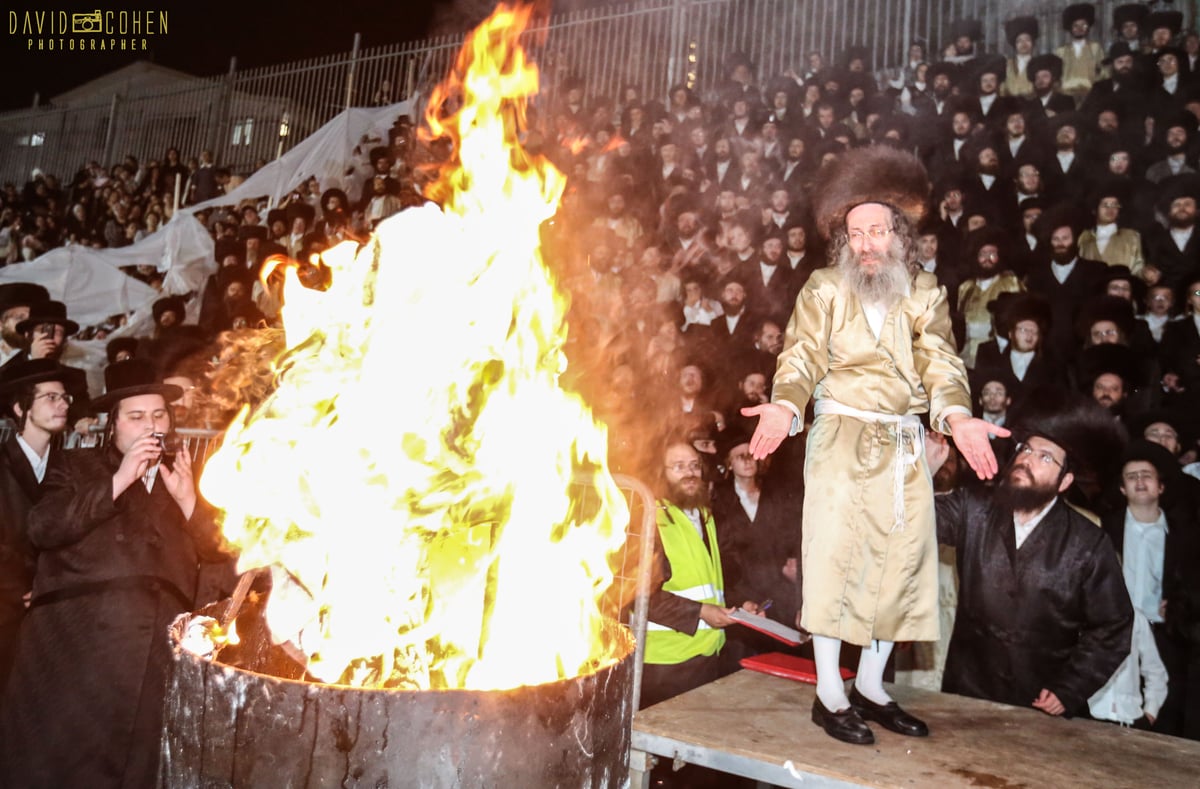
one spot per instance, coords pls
(327, 153)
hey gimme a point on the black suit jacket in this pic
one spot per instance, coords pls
(1066, 299)
(1053, 614)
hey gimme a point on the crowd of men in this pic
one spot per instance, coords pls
(1061, 224)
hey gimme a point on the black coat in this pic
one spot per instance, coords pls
(83, 706)
(1054, 614)
(19, 491)
(1066, 300)
(753, 552)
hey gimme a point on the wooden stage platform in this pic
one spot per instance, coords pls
(759, 726)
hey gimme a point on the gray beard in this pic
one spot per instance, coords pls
(885, 286)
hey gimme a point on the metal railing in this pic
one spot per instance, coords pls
(242, 116)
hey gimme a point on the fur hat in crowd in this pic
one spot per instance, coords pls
(1130, 12)
(1084, 11)
(1084, 429)
(874, 174)
(1018, 25)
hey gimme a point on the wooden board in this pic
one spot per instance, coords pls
(973, 743)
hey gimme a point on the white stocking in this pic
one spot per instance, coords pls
(831, 690)
(870, 671)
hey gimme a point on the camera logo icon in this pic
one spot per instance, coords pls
(87, 23)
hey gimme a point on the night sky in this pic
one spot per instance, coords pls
(201, 39)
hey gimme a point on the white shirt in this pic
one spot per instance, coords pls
(1171, 84)
(1122, 699)
(988, 180)
(694, 516)
(767, 272)
(1156, 323)
(1065, 159)
(1142, 563)
(1015, 143)
(1023, 530)
(38, 462)
(929, 265)
(731, 321)
(748, 504)
(1062, 270)
(1020, 361)
(1104, 234)
(1181, 236)
(986, 102)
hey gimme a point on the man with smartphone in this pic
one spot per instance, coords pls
(120, 535)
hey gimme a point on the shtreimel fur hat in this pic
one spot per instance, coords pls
(875, 174)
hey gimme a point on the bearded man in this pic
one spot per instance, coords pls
(1044, 617)
(687, 612)
(870, 342)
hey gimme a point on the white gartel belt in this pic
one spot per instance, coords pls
(904, 423)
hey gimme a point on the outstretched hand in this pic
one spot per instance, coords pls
(971, 437)
(774, 425)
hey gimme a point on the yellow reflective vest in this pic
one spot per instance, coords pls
(696, 575)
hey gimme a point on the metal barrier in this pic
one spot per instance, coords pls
(248, 115)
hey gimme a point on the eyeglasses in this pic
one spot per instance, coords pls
(695, 466)
(55, 397)
(1046, 458)
(874, 233)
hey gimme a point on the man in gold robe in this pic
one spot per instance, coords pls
(870, 343)
(1083, 59)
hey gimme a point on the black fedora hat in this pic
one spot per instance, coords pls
(36, 371)
(131, 378)
(21, 294)
(48, 312)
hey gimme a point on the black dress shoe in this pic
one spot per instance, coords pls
(844, 725)
(890, 716)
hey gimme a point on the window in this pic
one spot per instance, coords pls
(242, 131)
(31, 140)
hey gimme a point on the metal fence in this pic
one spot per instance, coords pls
(251, 115)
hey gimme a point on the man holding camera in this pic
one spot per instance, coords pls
(120, 531)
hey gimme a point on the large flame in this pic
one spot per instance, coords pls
(435, 510)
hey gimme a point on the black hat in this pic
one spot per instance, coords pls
(1172, 20)
(981, 376)
(1130, 12)
(1084, 11)
(120, 344)
(276, 215)
(226, 247)
(1155, 454)
(1118, 50)
(329, 193)
(1119, 188)
(1183, 425)
(131, 378)
(988, 64)
(971, 28)
(48, 312)
(1122, 272)
(729, 439)
(21, 294)
(942, 67)
(1175, 187)
(1083, 428)
(980, 237)
(380, 152)
(1176, 52)
(1107, 308)
(1108, 359)
(231, 274)
(1029, 307)
(246, 232)
(1063, 215)
(1018, 25)
(1044, 62)
(175, 304)
(36, 371)
(303, 211)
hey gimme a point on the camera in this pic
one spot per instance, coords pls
(169, 445)
(87, 23)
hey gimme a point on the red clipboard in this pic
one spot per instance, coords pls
(778, 664)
